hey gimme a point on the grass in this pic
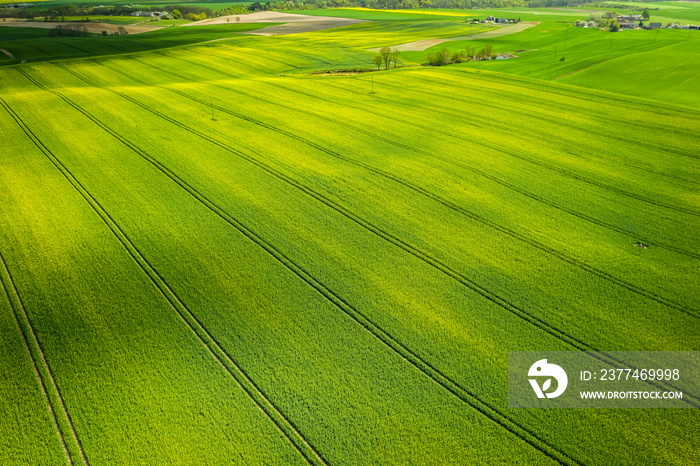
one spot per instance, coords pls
(319, 273)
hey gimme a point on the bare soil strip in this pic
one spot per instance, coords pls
(91, 27)
(420, 45)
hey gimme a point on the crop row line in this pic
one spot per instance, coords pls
(512, 154)
(511, 186)
(375, 135)
(580, 96)
(285, 426)
(538, 116)
(416, 252)
(57, 408)
(533, 83)
(550, 166)
(564, 106)
(384, 337)
(472, 215)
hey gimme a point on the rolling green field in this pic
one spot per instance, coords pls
(209, 255)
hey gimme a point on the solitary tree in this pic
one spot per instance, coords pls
(378, 59)
(385, 52)
(177, 14)
(645, 14)
(238, 20)
(614, 26)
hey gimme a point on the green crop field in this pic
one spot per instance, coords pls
(212, 254)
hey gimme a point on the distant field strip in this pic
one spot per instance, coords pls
(514, 234)
(212, 346)
(422, 365)
(62, 421)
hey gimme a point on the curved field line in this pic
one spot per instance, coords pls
(539, 116)
(375, 135)
(561, 105)
(285, 426)
(658, 110)
(416, 252)
(544, 164)
(414, 187)
(581, 69)
(41, 368)
(551, 167)
(423, 366)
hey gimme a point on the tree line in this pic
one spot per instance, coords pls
(444, 57)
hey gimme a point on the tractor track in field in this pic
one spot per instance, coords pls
(539, 116)
(482, 173)
(419, 254)
(284, 425)
(599, 118)
(476, 217)
(546, 165)
(403, 351)
(528, 159)
(658, 110)
(30, 341)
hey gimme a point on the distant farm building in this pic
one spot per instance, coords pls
(655, 25)
(628, 25)
(491, 18)
(501, 20)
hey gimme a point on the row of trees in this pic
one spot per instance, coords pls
(386, 56)
(443, 57)
(69, 30)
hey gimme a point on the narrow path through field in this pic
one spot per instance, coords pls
(61, 419)
(420, 45)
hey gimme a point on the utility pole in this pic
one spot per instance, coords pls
(212, 111)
